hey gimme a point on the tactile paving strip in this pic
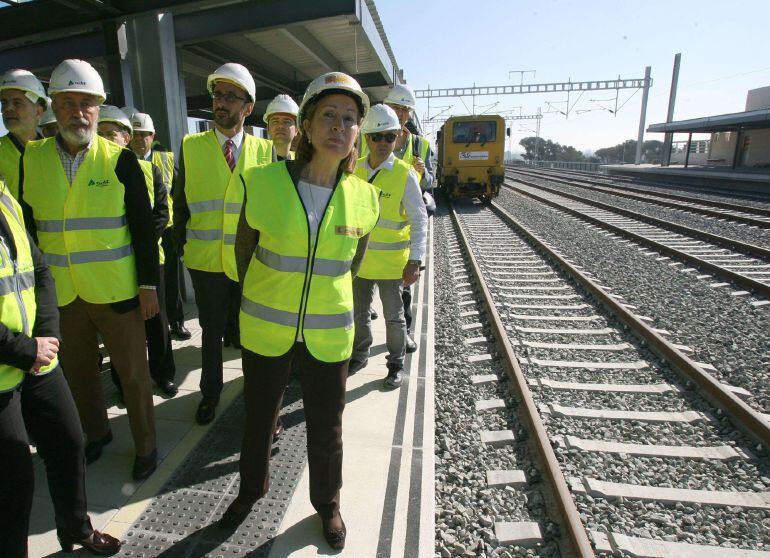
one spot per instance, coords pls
(181, 520)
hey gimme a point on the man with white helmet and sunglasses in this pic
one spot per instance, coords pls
(89, 211)
(208, 196)
(144, 144)
(23, 101)
(281, 119)
(396, 245)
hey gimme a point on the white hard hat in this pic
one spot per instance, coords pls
(337, 81)
(24, 81)
(281, 104)
(402, 95)
(235, 74)
(130, 111)
(108, 113)
(77, 76)
(380, 118)
(142, 122)
(48, 117)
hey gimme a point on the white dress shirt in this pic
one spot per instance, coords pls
(237, 143)
(412, 203)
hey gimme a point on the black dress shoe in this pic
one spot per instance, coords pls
(98, 543)
(334, 536)
(144, 466)
(94, 449)
(355, 365)
(180, 332)
(167, 387)
(235, 514)
(232, 341)
(411, 346)
(206, 411)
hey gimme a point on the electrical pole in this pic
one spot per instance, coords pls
(668, 137)
(642, 115)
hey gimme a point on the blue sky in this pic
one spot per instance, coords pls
(450, 43)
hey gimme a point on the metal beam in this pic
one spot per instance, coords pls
(302, 38)
(255, 16)
(45, 55)
(643, 116)
(370, 29)
(441, 119)
(558, 87)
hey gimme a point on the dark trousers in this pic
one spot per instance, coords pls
(213, 293)
(406, 297)
(233, 327)
(323, 395)
(42, 406)
(172, 280)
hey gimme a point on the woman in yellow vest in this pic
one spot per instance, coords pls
(301, 237)
(35, 398)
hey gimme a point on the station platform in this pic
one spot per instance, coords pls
(387, 498)
(749, 180)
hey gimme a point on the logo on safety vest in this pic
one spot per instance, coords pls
(355, 232)
(99, 183)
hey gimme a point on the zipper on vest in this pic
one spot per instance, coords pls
(17, 289)
(311, 258)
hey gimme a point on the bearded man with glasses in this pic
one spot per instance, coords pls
(208, 196)
(396, 245)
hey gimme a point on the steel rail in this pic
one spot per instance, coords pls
(576, 531)
(750, 421)
(742, 280)
(737, 245)
(606, 189)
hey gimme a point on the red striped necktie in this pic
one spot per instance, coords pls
(229, 154)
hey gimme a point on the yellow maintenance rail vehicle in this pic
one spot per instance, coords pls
(471, 152)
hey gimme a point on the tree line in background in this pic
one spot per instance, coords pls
(625, 152)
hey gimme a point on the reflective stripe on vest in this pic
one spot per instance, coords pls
(149, 181)
(9, 165)
(289, 287)
(164, 160)
(388, 248)
(18, 308)
(83, 231)
(214, 198)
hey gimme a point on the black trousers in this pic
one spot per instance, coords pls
(42, 406)
(323, 395)
(213, 295)
(406, 297)
(172, 280)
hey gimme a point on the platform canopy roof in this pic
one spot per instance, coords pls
(719, 123)
(284, 43)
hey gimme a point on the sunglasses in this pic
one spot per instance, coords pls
(389, 137)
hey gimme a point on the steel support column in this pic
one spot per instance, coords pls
(643, 116)
(156, 86)
(687, 151)
(669, 137)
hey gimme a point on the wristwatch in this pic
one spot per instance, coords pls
(414, 262)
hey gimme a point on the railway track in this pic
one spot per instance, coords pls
(755, 215)
(630, 433)
(744, 264)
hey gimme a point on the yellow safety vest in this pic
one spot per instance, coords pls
(408, 153)
(214, 198)
(9, 165)
(82, 228)
(388, 248)
(164, 160)
(290, 286)
(147, 170)
(17, 287)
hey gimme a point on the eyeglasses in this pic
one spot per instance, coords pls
(389, 137)
(227, 97)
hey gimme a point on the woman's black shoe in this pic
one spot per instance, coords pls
(180, 332)
(334, 536)
(235, 514)
(98, 543)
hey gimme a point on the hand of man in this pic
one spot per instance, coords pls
(47, 347)
(419, 165)
(411, 274)
(148, 303)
